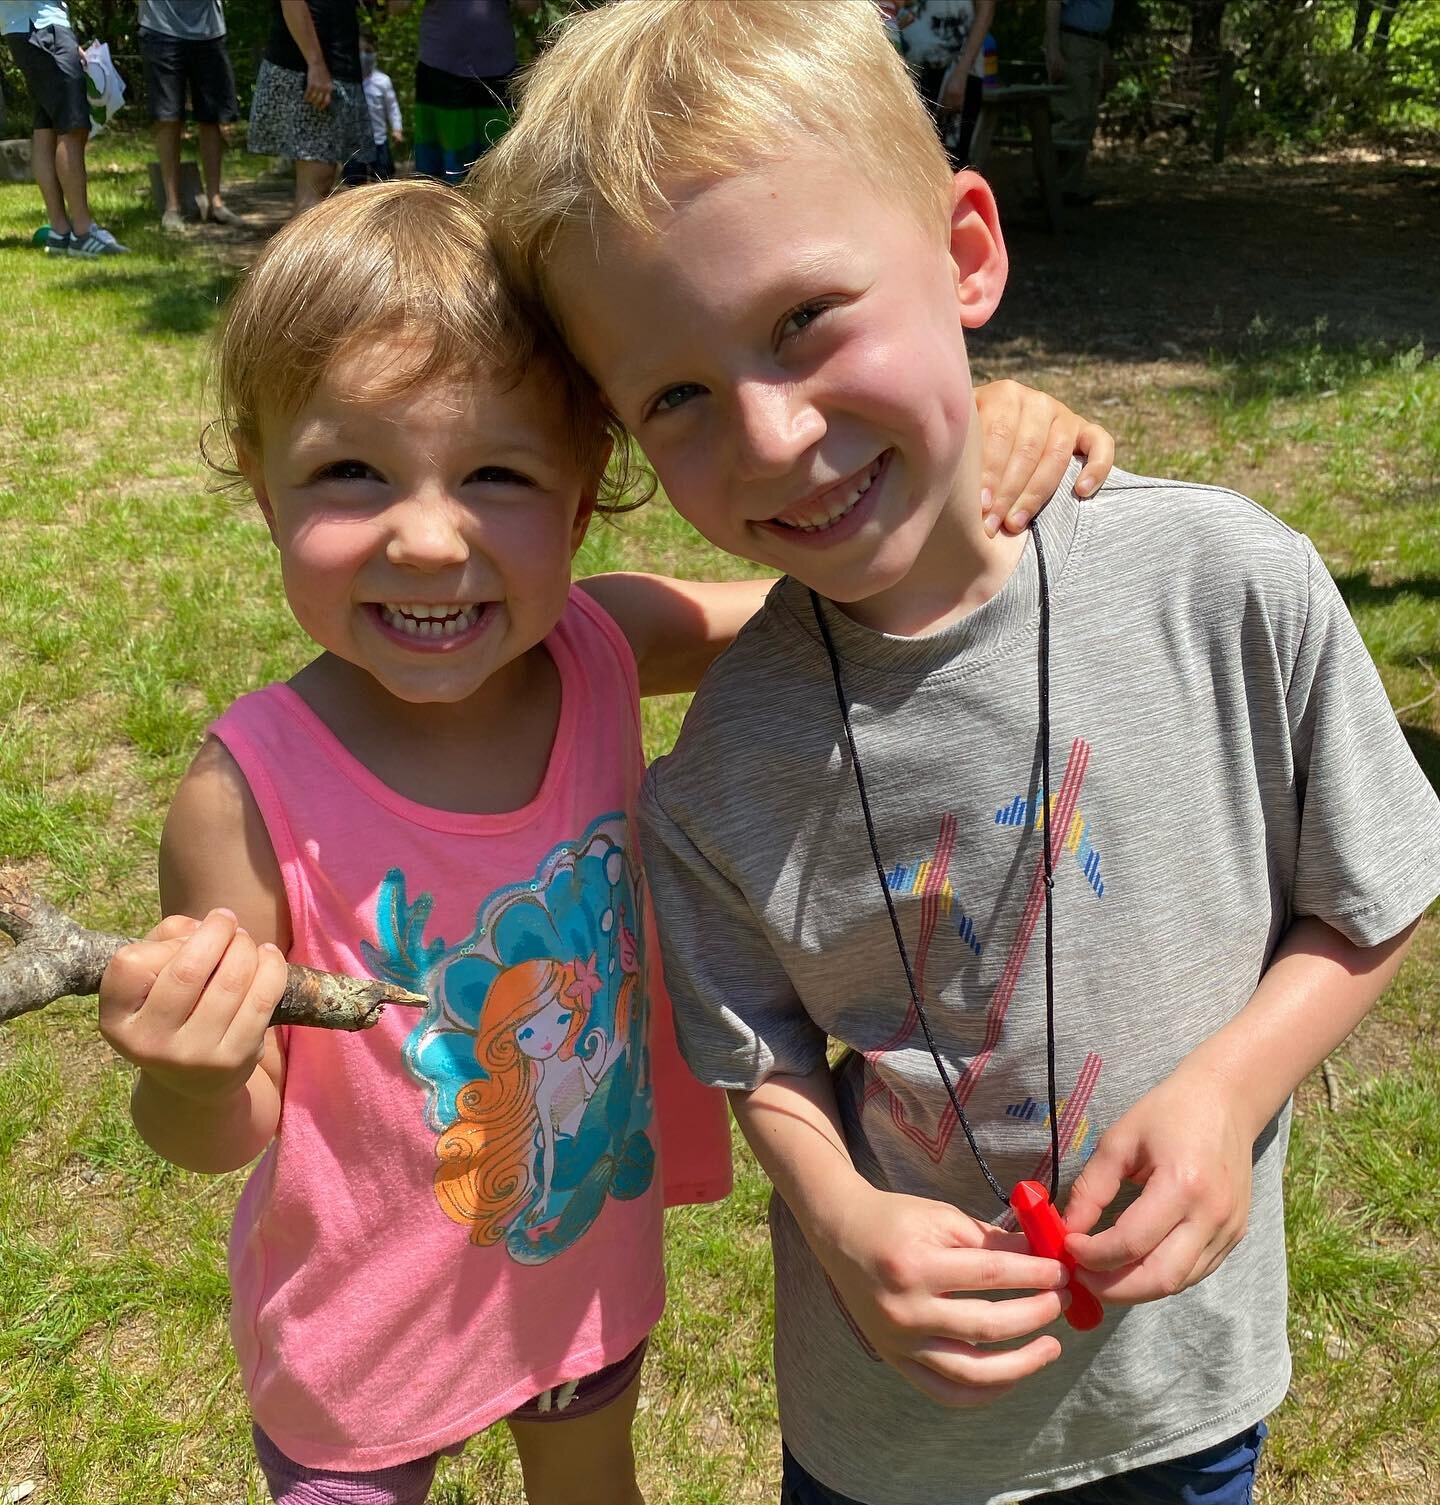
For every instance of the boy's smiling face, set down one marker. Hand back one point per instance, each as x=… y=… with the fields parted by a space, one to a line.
x=787 y=347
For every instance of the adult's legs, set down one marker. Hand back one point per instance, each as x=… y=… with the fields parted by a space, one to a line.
x=1076 y=112
x=167 y=148
x=587 y=1461
x=42 y=163
x=212 y=149
x=313 y=182
x=70 y=169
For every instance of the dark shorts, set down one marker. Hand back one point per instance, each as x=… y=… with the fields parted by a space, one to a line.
x=1219 y=1475
x=49 y=57
x=174 y=65
x=409 y=1483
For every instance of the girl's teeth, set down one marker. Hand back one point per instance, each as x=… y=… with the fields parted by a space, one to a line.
x=419 y=621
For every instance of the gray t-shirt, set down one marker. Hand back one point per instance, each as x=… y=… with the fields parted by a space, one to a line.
x=190 y=20
x=1224 y=759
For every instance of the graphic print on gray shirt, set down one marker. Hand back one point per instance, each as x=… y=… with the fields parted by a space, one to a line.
x=1224 y=759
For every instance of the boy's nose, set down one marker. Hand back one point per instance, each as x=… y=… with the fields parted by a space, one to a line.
x=776 y=424
x=427 y=533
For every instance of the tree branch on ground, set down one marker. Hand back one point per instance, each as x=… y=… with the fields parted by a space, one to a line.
x=56 y=957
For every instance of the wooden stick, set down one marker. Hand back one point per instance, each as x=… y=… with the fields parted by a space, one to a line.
x=55 y=957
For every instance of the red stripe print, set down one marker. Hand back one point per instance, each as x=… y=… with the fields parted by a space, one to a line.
x=1055 y=827
x=1075 y=1106
x=1057 y=823
x=929 y=912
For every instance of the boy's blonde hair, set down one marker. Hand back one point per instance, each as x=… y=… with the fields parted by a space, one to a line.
x=397 y=260
x=642 y=94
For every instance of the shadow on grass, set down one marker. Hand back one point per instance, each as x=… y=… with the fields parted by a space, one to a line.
x=179 y=297
x=1359 y=590
x=1182 y=259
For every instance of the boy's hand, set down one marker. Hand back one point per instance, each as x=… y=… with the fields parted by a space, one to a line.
x=190 y=1005
x=1184 y=1143
x=901 y=1264
x=1029 y=441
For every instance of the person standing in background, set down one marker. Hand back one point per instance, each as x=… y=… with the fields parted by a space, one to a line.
x=1076 y=51
x=309 y=100
x=462 y=81
x=385 y=122
x=42 y=42
x=943 y=42
x=182 y=47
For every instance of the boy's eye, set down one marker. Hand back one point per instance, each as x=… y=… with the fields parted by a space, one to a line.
x=803 y=318
x=347 y=470
x=497 y=475
x=675 y=397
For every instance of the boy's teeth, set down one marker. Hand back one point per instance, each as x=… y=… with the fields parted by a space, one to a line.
x=417 y=620
x=837 y=508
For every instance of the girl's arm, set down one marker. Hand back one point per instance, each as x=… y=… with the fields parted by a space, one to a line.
x=191 y=1004
x=678 y=628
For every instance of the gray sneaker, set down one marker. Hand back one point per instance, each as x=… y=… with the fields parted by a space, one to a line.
x=97 y=241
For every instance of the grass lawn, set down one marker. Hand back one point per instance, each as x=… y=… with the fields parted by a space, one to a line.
x=136 y=606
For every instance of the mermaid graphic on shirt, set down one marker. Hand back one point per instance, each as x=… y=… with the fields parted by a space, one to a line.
x=533 y=1051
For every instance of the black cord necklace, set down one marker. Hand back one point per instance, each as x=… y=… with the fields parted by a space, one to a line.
x=1042 y=1226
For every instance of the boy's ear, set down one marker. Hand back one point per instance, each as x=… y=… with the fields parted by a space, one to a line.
x=977 y=248
x=248 y=460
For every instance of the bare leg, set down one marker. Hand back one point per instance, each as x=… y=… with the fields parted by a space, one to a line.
x=70 y=169
x=212 y=146
x=313 y=181
x=167 y=148
x=42 y=162
x=589 y=1461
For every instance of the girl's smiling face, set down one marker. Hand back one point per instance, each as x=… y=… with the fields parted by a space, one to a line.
x=426 y=533
x=543 y=1034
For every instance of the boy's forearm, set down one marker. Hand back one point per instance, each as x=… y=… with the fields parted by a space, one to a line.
x=792 y=1123
x=1317 y=988
x=213 y=1137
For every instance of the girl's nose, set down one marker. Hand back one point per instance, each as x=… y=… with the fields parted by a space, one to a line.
x=776 y=424
x=427 y=533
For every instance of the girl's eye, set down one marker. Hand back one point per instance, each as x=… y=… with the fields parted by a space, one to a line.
x=676 y=397
x=347 y=470
x=803 y=318
x=497 y=475
x=526 y=1034
x=563 y=1019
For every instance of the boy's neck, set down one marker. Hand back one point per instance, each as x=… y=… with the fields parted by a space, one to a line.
x=957 y=571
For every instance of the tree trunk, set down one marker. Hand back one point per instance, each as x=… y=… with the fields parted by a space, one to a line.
x=1206 y=18
x=1364 y=9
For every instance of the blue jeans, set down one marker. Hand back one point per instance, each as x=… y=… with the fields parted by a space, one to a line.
x=1220 y=1475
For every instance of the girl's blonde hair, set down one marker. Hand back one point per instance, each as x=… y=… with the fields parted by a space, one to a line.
x=640 y=95
x=409 y=260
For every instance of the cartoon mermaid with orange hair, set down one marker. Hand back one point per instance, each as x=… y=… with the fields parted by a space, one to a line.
x=542 y=1068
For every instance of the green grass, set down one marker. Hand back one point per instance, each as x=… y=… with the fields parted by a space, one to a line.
x=137 y=605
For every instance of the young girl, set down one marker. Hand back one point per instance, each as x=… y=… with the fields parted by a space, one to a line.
x=457 y=1216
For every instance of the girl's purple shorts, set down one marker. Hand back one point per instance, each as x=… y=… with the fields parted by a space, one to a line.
x=409 y=1483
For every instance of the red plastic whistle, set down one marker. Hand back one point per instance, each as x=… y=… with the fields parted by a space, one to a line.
x=1046 y=1231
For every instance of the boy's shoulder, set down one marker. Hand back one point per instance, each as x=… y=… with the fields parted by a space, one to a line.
x=1194 y=521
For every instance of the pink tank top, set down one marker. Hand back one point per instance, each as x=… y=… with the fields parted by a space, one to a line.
x=462 y=1206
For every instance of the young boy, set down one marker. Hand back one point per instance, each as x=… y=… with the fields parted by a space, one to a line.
x=740 y=217
x=378 y=165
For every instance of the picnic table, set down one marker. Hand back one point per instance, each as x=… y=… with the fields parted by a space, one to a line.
x=1031 y=104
